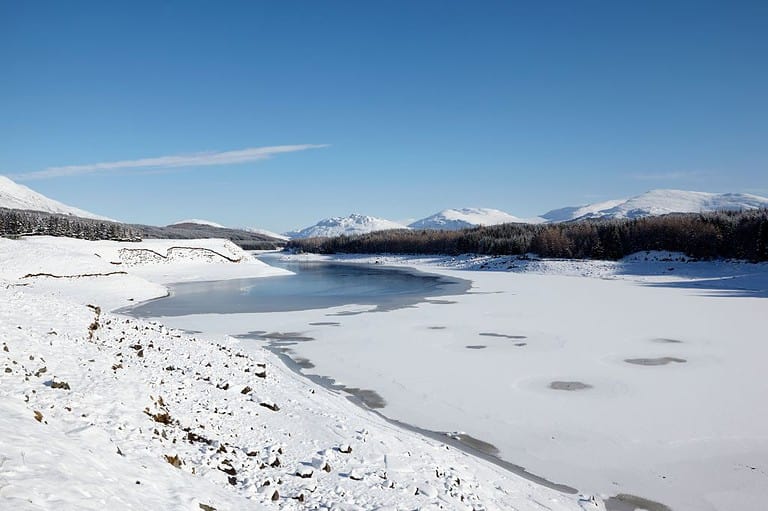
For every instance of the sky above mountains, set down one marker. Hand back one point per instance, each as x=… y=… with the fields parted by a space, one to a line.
x=274 y=115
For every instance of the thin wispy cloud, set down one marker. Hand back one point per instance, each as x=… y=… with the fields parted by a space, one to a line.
x=174 y=161
x=667 y=176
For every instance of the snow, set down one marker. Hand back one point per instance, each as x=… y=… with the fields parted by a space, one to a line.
x=454 y=219
x=348 y=225
x=267 y=233
x=16 y=196
x=573 y=212
x=152 y=417
x=198 y=222
x=660 y=202
x=643 y=376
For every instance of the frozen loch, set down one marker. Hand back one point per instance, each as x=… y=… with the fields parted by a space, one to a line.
x=635 y=381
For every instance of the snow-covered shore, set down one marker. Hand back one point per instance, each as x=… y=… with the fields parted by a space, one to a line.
x=99 y=411
x=613 y=377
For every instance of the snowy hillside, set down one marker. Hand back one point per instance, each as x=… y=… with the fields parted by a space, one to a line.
x=574 y=212
x=198 y=222
x=266 y=232
x=338 y=225
x=659 y=202
x=454 y=219
x=16 y=196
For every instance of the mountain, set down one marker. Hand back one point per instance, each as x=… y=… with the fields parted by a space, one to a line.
x=197 y=221
x=266 y=232
x=454 y=219
x=352 y=224
x=573 y=212
x=16 y=196
x=659 y=202
x=208 y=223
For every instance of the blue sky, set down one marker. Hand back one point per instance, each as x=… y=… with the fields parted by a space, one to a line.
x=414 y=106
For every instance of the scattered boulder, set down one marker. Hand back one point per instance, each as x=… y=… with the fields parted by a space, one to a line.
x=173 y=460
x=161 y=417
x=304 y=472
x=270 y=406
x=60 y=385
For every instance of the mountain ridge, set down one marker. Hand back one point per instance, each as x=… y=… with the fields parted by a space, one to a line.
x=659 y=202
x=461 y=218
x=16 y=196
x=347 y=225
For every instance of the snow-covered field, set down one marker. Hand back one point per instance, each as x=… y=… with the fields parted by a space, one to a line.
x=642 y=377
x=98 y=411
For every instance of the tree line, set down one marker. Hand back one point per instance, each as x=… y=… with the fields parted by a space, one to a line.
x=18 y=222
x=736 y=235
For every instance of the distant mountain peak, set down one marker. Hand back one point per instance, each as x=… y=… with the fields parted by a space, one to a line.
x=659 y=202
x=461 y=218
x=198 y=222
x=16 y=196
x=347 y=225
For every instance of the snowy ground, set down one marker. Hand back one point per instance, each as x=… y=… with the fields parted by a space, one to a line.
x=99 y=411
x=642 y=377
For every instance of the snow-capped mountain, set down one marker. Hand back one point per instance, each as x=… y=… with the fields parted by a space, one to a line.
x=265 y=232
x=198 y=222
x=352 y=224
x=454 y=219
x=573 y=212
x=660 y=202
x=16 y=196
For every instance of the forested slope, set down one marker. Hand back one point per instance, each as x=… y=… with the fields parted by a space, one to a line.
x=739 y=235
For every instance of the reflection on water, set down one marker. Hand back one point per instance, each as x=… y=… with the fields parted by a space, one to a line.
x=314 y=285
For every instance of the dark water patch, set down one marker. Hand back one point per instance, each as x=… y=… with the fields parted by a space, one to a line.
x=325 y=323
x=436 y=327
x=475 y=443
x=372 y=401
x=521 y=344
x=346 y=313
x=314 y=285
x=476 y=347
x=659 y=361
x=370 y=398
x=440 y=302
x=286 y=336
x=569 y=385
x=367 y=398
x=304 y=363
x=667 y=341
x=627 y=502
x=263 y=335
x=504 y=336
x=253 y=334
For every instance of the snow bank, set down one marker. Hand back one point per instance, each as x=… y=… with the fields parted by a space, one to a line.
x=99 y=411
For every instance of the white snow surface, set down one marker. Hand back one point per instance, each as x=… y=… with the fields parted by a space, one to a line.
x=455 y=219
x=345 y=225
x=671 y=353
x=198 y=221
x=266 y=232
x=98 y=411
x=660 y=202
x=16 y=196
